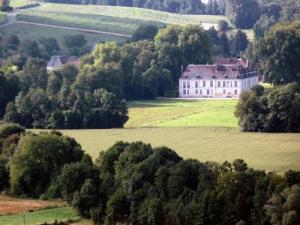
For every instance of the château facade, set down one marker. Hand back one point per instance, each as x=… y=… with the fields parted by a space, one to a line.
x=226 y=78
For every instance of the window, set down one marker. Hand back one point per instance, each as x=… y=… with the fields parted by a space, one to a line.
x=224 y=84
x=204 y=83
x=207 y=92
x=235 y=83
x=224 y=92
x=219 y=83
x=188 y=91
x=235 y=92
x=188 y=84
x=200 y=91
x=184 y=84
x=211 y=83
x=184 y=92
x=196 y=84
x=196 y=91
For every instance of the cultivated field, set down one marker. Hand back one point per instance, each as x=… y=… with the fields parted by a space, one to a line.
x=123 y=20
x=182 y=113
x=32 y=32
x=16 y=206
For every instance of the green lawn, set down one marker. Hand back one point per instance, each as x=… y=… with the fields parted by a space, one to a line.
x=124 y=20
x=41 y=216
x=32 y=32
x=182 y=113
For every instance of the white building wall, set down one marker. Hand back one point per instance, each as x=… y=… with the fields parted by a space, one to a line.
x=197 y=88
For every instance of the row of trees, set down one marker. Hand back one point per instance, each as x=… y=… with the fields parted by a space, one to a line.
x=57 y=101
x=133 y=183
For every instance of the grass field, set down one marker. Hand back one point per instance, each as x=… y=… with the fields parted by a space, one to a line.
x=272 y=152
x=32 y=32
x=182 y=113
x=40 y=217
x=204 y=129
x=19 y=3
x=124 y=20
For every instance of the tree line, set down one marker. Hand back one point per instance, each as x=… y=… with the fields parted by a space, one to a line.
x=134 y=183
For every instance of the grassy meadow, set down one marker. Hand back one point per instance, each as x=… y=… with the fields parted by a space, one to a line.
x=271 y=152
x=204 y=129
x=20 y=3
x=41 y=216
x=32 y=32
x=123 y=20
x=182 y=113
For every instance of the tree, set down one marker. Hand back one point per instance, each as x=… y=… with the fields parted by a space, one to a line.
x=239 y=42
x=11 y=42
x=283 y=208
x=145 y=32
x=242 y=13
x=34 y=74
x=75 y=44
x=279 y=54
x=50 y=45
x=223 y=25
x=9 y=88
x=39 y=160
x=30 y=49
x=263 y=25
x=274 y=111
x=177 y=46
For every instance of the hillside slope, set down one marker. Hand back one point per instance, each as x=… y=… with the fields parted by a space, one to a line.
x=110 y=18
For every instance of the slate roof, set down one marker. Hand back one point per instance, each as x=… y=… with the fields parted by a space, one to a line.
x=57 y=61
x=221 y=69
